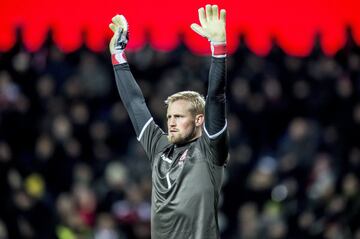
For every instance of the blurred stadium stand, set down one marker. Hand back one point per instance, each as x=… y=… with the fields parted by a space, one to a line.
x=70 y=165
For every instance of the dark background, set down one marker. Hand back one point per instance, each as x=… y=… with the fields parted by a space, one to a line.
x=71 y=167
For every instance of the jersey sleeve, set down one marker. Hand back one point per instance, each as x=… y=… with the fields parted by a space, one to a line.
x=132 y=97
x=216 y=150
x=215 y=127
x=215 y=107
x=153 y=139
x=148 y=133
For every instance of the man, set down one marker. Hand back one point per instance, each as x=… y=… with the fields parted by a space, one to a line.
x=187 y=163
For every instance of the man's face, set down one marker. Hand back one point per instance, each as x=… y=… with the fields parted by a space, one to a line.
x=183 y=126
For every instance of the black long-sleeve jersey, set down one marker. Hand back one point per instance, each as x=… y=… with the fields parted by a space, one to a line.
x=186 y=179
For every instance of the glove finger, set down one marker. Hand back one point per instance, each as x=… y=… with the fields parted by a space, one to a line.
x=223 y=15
x=215 y=12
x=198 y=29
x=113 y=27
x=124 y=23
x=202 y=17
x=208 y=12
x=120 y=21
x=116 y=20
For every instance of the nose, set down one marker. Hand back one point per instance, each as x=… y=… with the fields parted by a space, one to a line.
x=171 y=121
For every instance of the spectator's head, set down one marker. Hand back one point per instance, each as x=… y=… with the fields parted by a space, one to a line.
x=3 y=230
x=350 y=185
x=45 y=87
x=62 y=128
x=106 y=227
x=248 y=217
x=299 y=129
x=5 y=152
x=116 y=175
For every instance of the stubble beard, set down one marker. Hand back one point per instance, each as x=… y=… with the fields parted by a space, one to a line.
x=178 y=139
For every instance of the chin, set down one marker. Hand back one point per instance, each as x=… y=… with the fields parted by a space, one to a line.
x=175 y=140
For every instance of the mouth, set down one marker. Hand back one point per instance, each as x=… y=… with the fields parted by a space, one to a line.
x=173 y=130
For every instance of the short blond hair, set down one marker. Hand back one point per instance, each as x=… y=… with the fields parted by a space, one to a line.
x=197 y=100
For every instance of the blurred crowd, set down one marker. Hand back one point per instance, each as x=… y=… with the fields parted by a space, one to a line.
x=71 y=167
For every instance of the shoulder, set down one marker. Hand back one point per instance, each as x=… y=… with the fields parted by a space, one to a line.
x=215 y=149
x=153 y=138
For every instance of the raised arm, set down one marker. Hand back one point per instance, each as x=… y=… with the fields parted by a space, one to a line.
x=213 y=28
x=129 y=90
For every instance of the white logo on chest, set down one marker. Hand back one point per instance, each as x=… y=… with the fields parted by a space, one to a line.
x=166 y=159
x=182 y=158
x=180 y=163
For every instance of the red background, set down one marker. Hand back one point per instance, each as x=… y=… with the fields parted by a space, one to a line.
x=292 y=23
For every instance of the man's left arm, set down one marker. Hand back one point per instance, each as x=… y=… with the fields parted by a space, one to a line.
x=213 y=28
x=215 y=107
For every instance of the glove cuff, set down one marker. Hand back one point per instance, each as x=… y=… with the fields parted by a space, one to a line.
x=118 y=58
x=218 y=49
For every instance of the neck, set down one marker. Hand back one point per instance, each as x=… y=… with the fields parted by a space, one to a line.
x=197 y=134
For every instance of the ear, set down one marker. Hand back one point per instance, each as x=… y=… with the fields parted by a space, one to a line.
x=199 y=120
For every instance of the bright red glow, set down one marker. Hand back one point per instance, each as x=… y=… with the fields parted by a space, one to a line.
x=293 y=24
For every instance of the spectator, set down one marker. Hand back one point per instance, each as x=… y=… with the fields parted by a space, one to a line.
x=294 y=126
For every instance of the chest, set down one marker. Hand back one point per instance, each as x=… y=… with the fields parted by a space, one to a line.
x=174 y=167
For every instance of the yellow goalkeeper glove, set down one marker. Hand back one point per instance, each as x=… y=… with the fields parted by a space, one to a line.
x=118 y=42
x=213 y=28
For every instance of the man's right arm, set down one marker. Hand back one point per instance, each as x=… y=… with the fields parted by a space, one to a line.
x=148 y=133
x=132 y=98
x=129 y=90
x=151 y=137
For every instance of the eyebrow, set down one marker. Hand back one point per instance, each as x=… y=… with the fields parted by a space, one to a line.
x=177 y=114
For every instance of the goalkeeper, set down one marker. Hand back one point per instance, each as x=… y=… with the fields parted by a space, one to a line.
x=188 y=161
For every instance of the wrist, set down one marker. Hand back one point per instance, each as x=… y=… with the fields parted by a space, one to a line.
x=118 y=57
x=218 y=49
